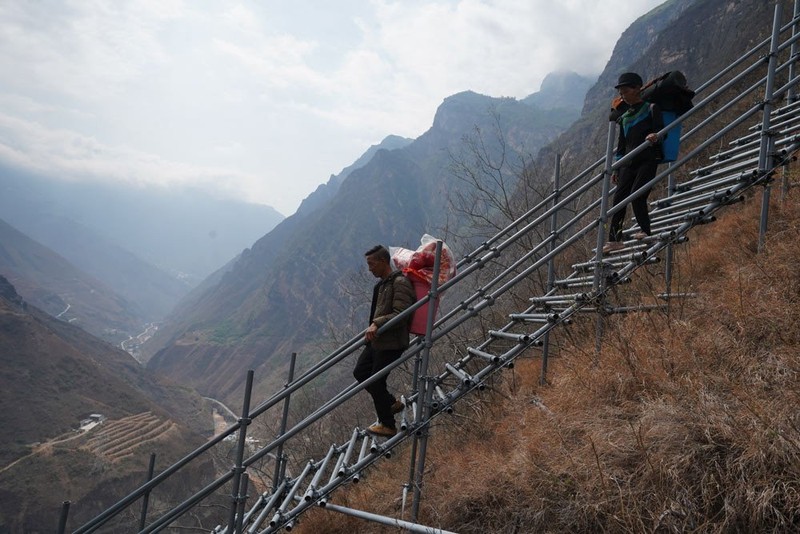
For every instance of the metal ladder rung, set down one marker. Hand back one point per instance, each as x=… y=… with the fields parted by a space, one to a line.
x=684 y=216
x=670 y=296
x=535 y=317
x=581 y=281
x=688 y=200
x=743 y=151
x=695 y=184
x=757 y=135
x=731 y=153
x=519 y=338
x=722 y=184
x=722 y=170
x=672 y=226
x=559 y=299
x=638 y=308
x=485 y=355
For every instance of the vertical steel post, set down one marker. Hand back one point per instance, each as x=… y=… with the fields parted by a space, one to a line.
x=767 y=142
x=551 y=265
x=244 y=422
x=670 y=249
x=424 y=405
x=791 y=97
x=241 y=504
x=146 y=497
x=280 y=461
x=412 y=469
x=415 y=393
x=598 y=283
x=62 y=521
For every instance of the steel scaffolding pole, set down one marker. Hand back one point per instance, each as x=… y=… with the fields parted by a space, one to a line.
x=791 y=97
x=62 y=520
x=238 y=468
x=397 y=523
x=599 y=275
x=767 y=141
x=280 y=460
x=146 y=497
x=670 y=246
x=424 y=407
x=551 y=266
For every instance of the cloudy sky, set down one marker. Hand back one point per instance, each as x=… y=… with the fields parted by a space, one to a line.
x=265 y=99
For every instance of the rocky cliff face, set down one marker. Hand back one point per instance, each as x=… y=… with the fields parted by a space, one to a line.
x=8 y=292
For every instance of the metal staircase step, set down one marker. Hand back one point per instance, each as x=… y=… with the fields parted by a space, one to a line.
x=555 y=300
x=724 y=168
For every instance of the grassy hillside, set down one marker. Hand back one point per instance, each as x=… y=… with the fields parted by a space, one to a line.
x=687 y=421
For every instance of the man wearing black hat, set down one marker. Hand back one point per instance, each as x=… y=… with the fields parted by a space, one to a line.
x=639 y=124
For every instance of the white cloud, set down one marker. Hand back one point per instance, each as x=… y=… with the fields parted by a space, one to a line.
x=266 y=99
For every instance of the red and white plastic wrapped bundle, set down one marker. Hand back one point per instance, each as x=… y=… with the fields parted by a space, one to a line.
x=417 y=265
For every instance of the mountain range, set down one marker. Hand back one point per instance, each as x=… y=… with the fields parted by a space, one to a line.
x=150 y=244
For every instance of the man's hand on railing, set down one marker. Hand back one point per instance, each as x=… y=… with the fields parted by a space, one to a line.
x=371 y=332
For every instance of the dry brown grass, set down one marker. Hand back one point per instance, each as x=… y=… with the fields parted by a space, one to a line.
x=687 y=422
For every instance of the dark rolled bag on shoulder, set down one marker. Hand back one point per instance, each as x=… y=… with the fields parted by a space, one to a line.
x=671 y=93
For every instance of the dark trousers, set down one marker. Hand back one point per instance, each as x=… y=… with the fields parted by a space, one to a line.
x=370 y=362
x=630 y=179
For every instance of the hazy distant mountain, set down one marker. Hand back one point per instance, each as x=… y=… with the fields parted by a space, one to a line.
x=52 y=375
x=290 y=288
x=50 y=282
x=183 y=232
x=327 y=191
x=561 y=90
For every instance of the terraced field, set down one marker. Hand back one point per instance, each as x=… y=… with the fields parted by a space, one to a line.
x=118 y=439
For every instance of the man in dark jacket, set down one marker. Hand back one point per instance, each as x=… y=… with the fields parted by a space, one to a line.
x=639 y=124
x=391 y=296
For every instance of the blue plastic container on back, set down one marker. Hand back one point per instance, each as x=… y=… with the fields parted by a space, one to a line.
x=671 y=143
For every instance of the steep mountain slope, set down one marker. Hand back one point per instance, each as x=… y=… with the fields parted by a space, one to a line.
x=293 y=286
x=51 y=283
x=52 y=375
x=268 y=247
x=686 y=422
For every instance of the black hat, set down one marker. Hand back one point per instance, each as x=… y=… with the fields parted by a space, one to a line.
x=630 y=79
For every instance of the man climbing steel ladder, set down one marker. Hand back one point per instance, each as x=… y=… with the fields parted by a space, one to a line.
x=391 y=296
x=640 y=123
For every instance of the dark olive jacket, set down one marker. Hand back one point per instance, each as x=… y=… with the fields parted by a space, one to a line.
x=390 y=297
